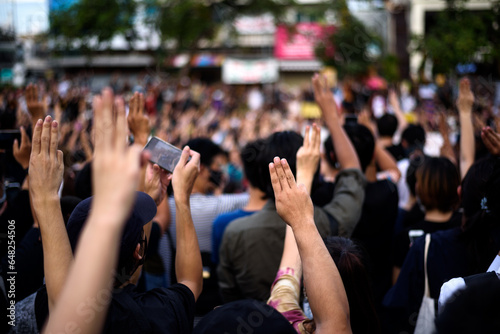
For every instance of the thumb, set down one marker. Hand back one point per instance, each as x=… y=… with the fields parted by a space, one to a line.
x=15 y=147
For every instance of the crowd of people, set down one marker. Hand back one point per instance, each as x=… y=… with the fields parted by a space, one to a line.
x=376 y=212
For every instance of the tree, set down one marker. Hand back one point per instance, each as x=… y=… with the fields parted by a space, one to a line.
x=93 y=22
x=457 y=35
x=352 y=48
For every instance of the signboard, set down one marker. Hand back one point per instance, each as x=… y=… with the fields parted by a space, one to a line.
x=300 y=45
x=242 y=71
x=255 y=25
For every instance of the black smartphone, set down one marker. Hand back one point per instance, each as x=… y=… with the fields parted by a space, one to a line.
x=7 y=139
x=164 y=154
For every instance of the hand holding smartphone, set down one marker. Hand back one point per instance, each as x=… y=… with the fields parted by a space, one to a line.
x=163 y=154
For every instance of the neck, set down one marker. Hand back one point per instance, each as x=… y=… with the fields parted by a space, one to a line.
x=255 y=202
x=438 y=216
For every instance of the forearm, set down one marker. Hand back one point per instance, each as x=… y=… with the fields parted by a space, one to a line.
x=90 y=280
x=55 y=242
x=386 y=162
x=188 y=265
x=467 y=149
x=344 y=151
x=322 y=281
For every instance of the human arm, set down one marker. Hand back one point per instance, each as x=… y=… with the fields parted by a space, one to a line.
x=491 y=140
x=188 y=266
x=45 y=177
x=386 y=163
x=115 y=175
x=467 y=144
x=322 y=280
x=138 y=122
x=33 y=103
x=396 y=106
x=344 y=151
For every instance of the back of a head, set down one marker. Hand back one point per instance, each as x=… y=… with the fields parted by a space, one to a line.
x=363 y=142
x=414 y=136
x=387 y=125
x=472 y=310
x=437 y=184
x=350 y=263
x=282 y=144
x=249 y=157
x=208 y=149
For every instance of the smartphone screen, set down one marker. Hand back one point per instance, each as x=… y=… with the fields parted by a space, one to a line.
x=7 y=138
x=164 y=154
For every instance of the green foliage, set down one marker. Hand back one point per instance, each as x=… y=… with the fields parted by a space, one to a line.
x=87 y=20
x=188 y=21
x=353 y=44
x=456 y=36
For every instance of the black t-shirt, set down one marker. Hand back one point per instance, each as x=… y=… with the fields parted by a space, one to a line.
x=374 y=232
x=403 y=242
x=161 y=310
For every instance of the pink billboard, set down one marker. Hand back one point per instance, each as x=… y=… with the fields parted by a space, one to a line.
x=300 y=45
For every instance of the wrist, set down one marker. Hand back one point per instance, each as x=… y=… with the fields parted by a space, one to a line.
x=181 y=200
x=305 y=226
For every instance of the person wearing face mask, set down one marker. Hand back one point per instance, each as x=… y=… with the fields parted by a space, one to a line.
x=206 y=204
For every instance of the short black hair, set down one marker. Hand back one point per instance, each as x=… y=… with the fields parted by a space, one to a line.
x=249 y=157
x=387 y=125
x=363 y=142
x=414 y=135
x=208 y=149
x=282 y=144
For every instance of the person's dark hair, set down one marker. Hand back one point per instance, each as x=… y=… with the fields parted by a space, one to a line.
x=282 y=144
x=414 y=136
x=437 y=184
x=249 y=157
x=481 y=229
x=387 y=125
x=208 y=150
x=411 y=174
x=363 y=142
x=474 y=309
x=349 y=260
x=329 y=151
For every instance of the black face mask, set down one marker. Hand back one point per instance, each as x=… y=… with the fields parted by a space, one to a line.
x=216 y=177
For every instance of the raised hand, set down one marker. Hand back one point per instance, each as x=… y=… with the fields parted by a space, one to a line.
x=22 y=152
x=34 y=105
x=308 y=156
x=46 y=166
x=465 y=99
x=293 y=203
x=138 y=122
x=365 y=119
x=185 y=174
x=156 y=182
x=324 y=97
x=491 y=140
x=116 y=166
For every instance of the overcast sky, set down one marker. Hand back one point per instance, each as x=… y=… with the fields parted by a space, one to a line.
x=28 y=16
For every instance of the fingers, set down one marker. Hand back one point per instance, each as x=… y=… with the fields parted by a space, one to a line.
x=464 y=85
x=306 y=137
x=316 y=83
x=275 y=182
x=133 y=105
x=37 y=137
x=121 y=125
x=288 y=173
x=107 y=117
x=98 y=125
x=316 y=137
x=60 y=157
x=278 y=164
x=195 y=158
x=54 y=132
x=45 y=138
x=156 y=174
x=141 y=104
x=24 y=136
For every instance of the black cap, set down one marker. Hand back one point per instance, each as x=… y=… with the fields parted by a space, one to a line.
x=142 y=213
x=244 y=316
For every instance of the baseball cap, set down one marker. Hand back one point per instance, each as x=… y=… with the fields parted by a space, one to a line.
x=142 y=213
x=244 y=316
